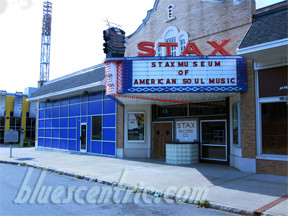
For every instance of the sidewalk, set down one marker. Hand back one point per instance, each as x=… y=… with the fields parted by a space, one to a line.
x=229 y=189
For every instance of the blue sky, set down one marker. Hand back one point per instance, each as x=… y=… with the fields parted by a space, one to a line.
x=77 y=39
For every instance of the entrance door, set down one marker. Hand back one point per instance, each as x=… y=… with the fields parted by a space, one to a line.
x=162 y=133
x=214 y=140
x=83 y=138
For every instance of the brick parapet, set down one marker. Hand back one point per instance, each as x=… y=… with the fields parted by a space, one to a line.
x=204 y=21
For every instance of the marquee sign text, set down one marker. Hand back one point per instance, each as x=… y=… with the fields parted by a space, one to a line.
x=184 y=73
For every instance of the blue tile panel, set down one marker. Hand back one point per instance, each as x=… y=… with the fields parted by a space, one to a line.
x=60 y=122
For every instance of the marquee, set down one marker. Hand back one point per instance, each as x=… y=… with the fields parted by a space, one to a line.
x=176 y=74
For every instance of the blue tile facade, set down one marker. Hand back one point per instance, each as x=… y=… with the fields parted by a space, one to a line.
x=60 y=120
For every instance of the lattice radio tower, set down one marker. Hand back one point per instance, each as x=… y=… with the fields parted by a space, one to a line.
x=45 y=42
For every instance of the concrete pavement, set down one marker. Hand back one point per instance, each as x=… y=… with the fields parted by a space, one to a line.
x=227 y=188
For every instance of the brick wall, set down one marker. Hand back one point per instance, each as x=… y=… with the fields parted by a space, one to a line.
x=207 y=21
x=272 y=167
x=202 y=20
x=271 y=7
x=120 y=126
x=248 y=116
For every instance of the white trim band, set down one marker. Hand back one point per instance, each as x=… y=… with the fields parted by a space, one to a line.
x=99 y=83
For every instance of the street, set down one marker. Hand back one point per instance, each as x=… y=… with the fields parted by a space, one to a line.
x=29 y=191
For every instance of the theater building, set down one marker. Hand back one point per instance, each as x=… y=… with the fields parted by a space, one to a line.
x=196 y=95
x=181 y=93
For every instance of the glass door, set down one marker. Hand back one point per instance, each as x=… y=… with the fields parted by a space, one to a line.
x=83 y=137
x=213 y=140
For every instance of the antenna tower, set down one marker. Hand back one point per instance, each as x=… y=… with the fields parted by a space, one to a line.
x=45 y=42
x=111 y=24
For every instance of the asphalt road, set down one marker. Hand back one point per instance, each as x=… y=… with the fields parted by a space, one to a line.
x=29 y=191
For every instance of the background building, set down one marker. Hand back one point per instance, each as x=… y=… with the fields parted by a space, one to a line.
x=17 y=113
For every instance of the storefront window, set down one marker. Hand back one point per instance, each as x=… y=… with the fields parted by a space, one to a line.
x=274 y=128
x=2 y=129
x=213 y=140
x=30 y=127
x=136 y=126
x=208 y=108
x=15 y=123
x=172 y=110
x=96 y=127
x=235 y=123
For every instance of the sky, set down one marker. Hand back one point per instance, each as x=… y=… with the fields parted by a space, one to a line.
x=76 y=35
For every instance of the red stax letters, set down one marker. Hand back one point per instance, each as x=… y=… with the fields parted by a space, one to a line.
x=143 y=46
x=191 y=48
x=219 y=48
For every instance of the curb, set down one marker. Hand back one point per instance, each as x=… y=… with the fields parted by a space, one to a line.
x=212 y=205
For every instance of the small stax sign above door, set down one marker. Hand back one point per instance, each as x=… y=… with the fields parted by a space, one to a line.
x=191 y=48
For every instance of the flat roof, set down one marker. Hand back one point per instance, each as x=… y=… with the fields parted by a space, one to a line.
x=89 y=77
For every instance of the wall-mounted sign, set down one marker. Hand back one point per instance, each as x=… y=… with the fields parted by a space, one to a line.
x=113 y=77
x=18 y=104
x=136 y=126
x=2 y=103
x=186 y=131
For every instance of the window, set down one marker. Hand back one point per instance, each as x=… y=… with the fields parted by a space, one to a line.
x=172 y=110
x=96 y=127
x=136 y=126
x=30 y=127
x=170 y=12
x=172 y=35
x=235 y=123
x=272 y=112
x=159 y=51
x=2 y=129
x=274 y=128
x=15 y=123
x=208 y=108
x=213 y=140
x=182 y=45
x=173 y=49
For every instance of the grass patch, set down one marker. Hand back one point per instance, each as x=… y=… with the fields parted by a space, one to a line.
x=60 y=173
x=18 y=146
x=23 y=164
x=136 y=190
x=79 y=177
x=43 y=169
x=203 y=204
